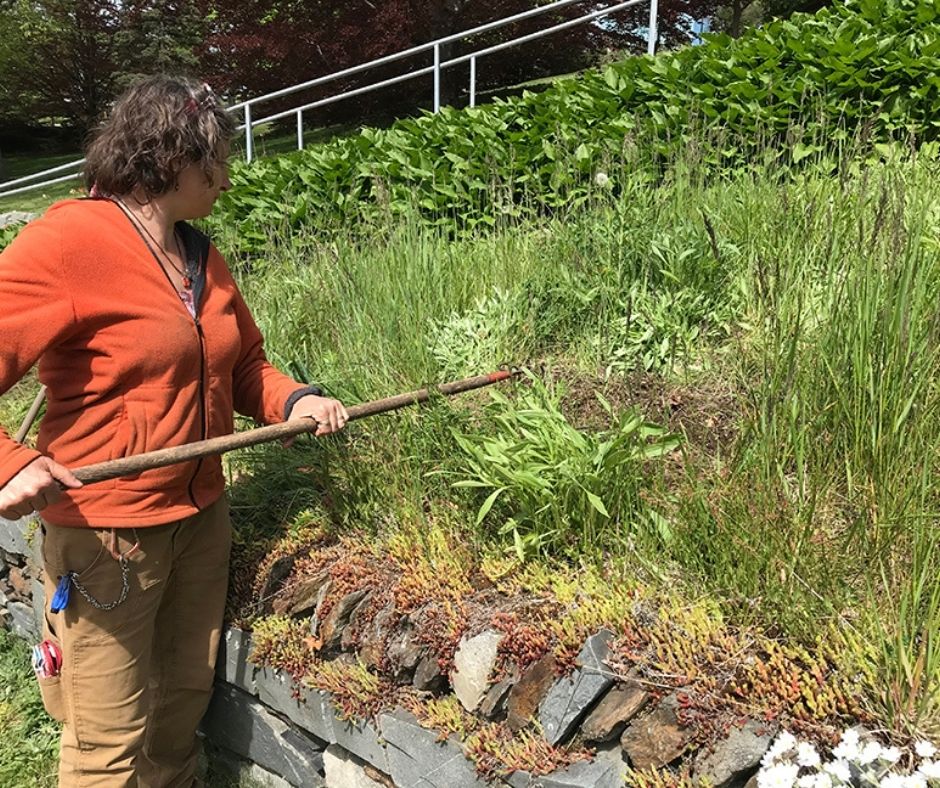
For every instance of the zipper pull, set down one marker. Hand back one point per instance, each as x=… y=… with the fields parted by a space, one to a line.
x=60 y=600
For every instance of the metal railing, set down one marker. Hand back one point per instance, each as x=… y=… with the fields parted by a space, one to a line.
x=437 y=67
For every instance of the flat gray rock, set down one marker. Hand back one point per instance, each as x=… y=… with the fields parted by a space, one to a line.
x=599 y=773
x=13 y=536
x=473 y=662
x=22 y=621
x=242 y=771
x=240 y=723
x=734 y=758
x=345 y=770
x=16 y=217
x=307 y=708
x=417 y=760
x=361 y=738
x=571 y=698
x=232 y=665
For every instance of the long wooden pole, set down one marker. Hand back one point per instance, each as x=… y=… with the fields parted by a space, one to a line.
x=31 y=414
x=102 y=471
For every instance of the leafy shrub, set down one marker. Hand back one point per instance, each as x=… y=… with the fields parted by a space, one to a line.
x=481 y=338
x=864 y=68
x=552 y=488
x=657 y=329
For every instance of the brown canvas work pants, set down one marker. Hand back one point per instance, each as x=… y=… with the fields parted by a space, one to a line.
x=136 y=678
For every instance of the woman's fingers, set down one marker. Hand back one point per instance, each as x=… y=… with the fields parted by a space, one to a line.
x=34 y=488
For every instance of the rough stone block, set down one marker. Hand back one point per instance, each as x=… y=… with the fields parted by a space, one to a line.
x=345 y=770
x=307 y=708
x=417 y=760
x=243 y=725
x=571 y=698
x=733 y=758
x=39 y=602
x=232 y=665
x=599 y=773
x=13 y=536
x=22 y=621
x=657 y=738
x=615 y=710
x=527 y=694
x=361 y=738
x=243 y=771
x=474 y=662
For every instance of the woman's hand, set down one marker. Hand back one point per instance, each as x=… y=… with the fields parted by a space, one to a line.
x=329 y=414
x=34 y=488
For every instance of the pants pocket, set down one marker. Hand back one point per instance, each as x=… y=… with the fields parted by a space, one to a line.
x=53 y=699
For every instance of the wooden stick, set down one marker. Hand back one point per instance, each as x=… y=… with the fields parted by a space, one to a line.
x=113 y=469
x=23 y=431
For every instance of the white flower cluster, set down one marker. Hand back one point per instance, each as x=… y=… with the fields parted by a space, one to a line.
x=794 y=764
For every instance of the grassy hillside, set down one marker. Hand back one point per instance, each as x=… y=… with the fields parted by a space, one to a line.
x=720 y=268
x=786 y=329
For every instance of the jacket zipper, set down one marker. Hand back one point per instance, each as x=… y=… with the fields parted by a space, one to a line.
x=203 y=425
x=203 y=422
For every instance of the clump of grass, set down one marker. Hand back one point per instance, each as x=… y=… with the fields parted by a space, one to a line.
x=551 y=488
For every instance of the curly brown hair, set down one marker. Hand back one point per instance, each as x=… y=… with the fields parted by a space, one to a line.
x=157 y=127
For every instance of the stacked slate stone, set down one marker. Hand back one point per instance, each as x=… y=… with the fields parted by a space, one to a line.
x=285 y=735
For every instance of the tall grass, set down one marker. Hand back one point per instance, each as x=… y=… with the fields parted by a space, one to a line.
x=811 y=296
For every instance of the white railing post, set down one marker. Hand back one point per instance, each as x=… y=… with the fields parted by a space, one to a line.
x=300 y=129
x=473 y=81
x=437 y=78
x=249 y=142
x=654 y=28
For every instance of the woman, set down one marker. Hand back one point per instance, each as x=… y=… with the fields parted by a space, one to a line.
x=144 y=342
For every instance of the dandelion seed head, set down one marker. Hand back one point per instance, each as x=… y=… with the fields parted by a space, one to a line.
x=601 y=179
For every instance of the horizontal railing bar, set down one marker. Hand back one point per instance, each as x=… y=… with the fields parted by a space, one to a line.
x=349 y=93
x=540 y=33
x=445 y=64
x=4 y=193
x=408 y=52
x=35 y=175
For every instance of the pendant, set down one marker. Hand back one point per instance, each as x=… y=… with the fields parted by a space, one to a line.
x=187 y=282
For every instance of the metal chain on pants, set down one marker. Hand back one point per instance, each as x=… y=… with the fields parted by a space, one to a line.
x=104 y=605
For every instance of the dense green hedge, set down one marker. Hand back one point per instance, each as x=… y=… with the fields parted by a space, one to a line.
x=867 y=69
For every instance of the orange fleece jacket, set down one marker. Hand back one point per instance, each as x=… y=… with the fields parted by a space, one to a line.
x=128 y=369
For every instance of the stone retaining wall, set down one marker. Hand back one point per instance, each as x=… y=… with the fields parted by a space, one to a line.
x=289 y=736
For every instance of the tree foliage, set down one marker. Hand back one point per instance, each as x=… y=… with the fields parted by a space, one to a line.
x=263 y=45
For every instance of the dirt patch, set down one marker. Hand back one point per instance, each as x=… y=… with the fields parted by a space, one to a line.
x=707 y=413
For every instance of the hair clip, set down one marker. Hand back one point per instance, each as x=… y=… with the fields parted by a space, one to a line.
x=208 y=101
